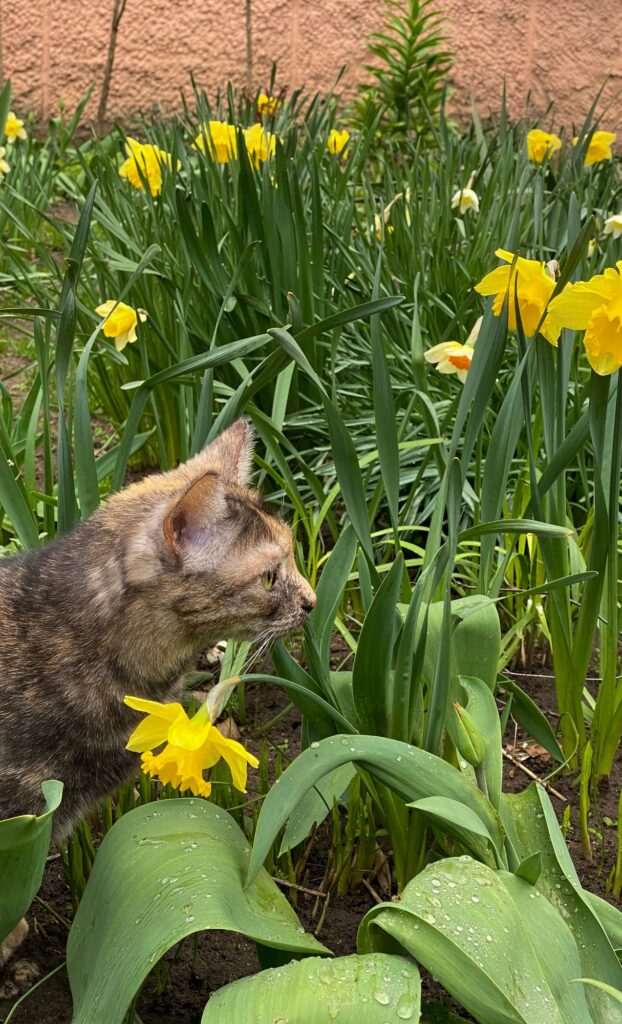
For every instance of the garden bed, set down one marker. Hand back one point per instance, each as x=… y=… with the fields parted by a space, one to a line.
x=189 y=974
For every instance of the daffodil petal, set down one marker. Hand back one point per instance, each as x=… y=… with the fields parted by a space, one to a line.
x=494 y=282
x=168 y=712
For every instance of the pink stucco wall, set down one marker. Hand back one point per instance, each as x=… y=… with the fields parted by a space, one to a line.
x=52 y=49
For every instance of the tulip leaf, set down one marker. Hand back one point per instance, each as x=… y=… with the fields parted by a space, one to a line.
x=350 y=990
x=24 y=845
x=410 y=772
x=316 y=805
x=460 y=822
x=530 y=869
x=501 y=950
x=165 y=871
x=533 y=828
x=475 y=640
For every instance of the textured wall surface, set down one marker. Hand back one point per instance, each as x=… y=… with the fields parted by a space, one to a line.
x=53 y=49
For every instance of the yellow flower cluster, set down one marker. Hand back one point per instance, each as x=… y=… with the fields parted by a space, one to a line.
x=593 y=306
x=219 y=140
x=143 y=166
x=191 y=746
x=541 y=146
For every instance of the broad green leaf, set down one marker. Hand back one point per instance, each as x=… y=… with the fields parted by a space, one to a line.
x=475 y=640
x=533 y=828
x=609 y=917
x=164 y=871
x=24 y=845
x=504 y=953
x=460 y=822
x=316 y=805
x=411 y=772
x=349 y=990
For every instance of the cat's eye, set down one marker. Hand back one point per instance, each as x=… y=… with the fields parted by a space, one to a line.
x=269 y=579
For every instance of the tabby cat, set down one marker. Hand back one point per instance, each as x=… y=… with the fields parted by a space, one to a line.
x=124 y=604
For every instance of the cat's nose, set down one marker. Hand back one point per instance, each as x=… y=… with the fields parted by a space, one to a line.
x=308 y=601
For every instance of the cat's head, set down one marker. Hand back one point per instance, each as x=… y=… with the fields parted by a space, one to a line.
x=204 y=546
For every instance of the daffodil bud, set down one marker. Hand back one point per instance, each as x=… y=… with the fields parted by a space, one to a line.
x=468 y=737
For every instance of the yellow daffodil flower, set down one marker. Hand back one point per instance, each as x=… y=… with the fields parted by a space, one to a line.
x=14 y=128
x=120 y=322
x=613 y=225
x=534 y=285
x=599 y=148
x=337 y=142
x=267 y=105
x=219 y=140
x=541 y=145
x=148 y=161
x=451 y=357
x=594 y=306
x=260 y=144
x=4 y=166
x=191 y=746
x=465 y=199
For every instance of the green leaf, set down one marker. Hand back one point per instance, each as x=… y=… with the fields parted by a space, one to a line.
x=516 y=526
x=460 y=822
x=384 y=410
x=13 y=501
x=330 y=589
x=350 y=990
x=533 y=828
x=164 y=871
x=475 y=640
x=613 y=992
x=411 y=772
x=505 y=955
x=533 y=721
x=316 y=805
x=371 y=675
x=24 y=845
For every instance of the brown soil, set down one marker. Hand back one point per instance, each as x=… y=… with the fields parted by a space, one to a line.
x=202 y=964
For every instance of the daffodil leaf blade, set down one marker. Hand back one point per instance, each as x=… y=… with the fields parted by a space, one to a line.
x=366 y=989
x=163 y=872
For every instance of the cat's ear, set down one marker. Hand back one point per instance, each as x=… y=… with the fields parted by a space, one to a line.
x=194 y=513
x=231 y=453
